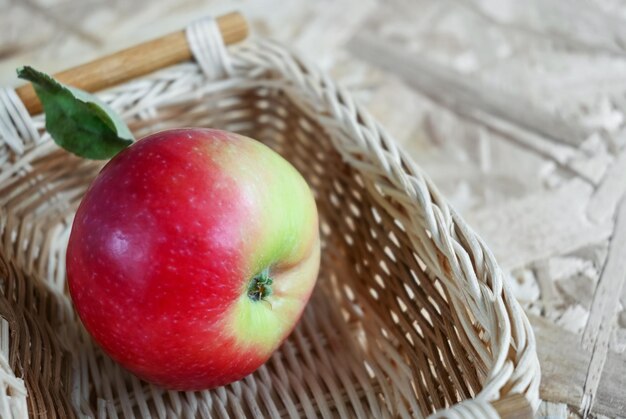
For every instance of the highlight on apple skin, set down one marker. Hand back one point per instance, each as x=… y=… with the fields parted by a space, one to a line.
x=192 y=256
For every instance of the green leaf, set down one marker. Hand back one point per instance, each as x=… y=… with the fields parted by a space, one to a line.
x=78 y=121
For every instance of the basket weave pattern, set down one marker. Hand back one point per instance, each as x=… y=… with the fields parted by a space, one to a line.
x=410 y=315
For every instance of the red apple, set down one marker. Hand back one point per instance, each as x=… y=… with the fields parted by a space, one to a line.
x=192 y=256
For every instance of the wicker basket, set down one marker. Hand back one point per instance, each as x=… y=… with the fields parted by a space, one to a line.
x=410 y=315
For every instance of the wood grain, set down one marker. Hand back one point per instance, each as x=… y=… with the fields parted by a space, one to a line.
x=134 y=62
x=514 y=406
x=600 y=324
x=463 y=94
x=564 y=368
x=549 y=410
x=539 y=226
x=605 y=199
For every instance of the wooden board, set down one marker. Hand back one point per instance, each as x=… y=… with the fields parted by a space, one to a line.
x=515 y=109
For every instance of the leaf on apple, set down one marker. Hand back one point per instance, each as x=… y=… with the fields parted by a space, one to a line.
x=77 y=121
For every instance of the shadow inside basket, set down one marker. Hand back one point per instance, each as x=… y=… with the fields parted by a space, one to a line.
x=378 y=338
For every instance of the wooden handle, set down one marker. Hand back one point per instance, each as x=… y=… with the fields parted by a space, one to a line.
x=135 y=61
x=514 y=406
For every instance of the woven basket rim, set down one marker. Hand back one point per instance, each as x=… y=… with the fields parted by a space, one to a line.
x=460 y=258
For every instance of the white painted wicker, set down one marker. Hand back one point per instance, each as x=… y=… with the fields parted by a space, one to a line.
x=411 y=314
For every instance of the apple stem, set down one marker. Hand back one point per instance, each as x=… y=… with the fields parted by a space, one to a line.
x=259 y=288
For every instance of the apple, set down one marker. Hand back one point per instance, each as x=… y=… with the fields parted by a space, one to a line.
x=192 y=256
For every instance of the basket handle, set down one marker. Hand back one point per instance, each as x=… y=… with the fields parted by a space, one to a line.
x=135 y=61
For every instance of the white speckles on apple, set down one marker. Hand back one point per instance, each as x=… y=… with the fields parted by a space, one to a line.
x=118 y=243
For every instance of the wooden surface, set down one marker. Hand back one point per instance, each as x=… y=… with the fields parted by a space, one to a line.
x=517 y=110
x=514 y=407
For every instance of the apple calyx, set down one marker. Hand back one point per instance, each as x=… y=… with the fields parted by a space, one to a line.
x=259 y=288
